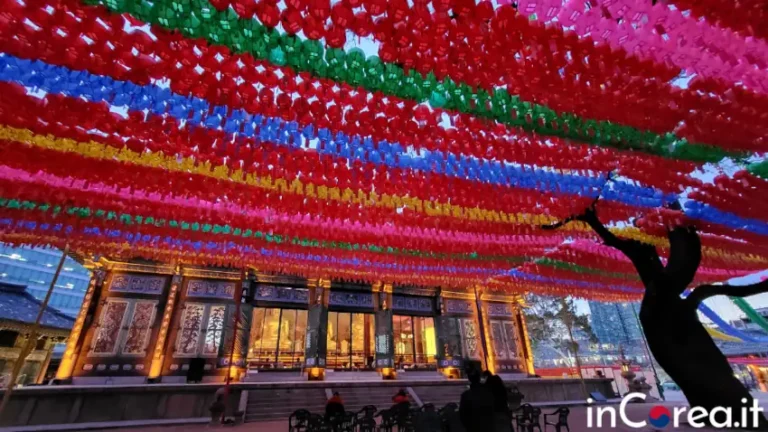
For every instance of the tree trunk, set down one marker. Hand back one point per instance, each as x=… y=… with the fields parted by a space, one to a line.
x=685 y=350
x=575 y=348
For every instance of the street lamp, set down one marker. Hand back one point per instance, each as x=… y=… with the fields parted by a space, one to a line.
x=626 y=371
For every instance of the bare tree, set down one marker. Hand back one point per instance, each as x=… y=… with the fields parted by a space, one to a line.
x=554 y=322
x=676 y=337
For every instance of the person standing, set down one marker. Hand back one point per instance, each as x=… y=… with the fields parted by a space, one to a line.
x=501 y=416
x=476 y=406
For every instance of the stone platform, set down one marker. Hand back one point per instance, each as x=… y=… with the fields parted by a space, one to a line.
x=261 y=401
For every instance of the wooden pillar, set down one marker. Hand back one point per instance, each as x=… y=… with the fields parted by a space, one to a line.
x=315 y=350
x=158 y=357
x=525 y=340
x=485 y=336
x=384 y=343
x=49 y=343
x=75 y=339
x=237 y=331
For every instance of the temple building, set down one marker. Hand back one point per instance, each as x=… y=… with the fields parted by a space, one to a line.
x=148 y=322
x=18 y=311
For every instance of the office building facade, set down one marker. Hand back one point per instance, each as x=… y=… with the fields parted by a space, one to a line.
x=615 y=323
x=34 y=268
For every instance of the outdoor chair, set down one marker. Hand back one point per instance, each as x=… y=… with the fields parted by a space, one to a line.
x=449 y=416
x=387 y=420
x=368 y=411
x=449 y=407
x=404 y=416
x=341 y=422
x=427 y=419
x=527 y=418
x=346 y=422
x=514 y=397
x=561 y=417
x=318 y=424
x=298 y=421
x=365 y=419
x=366 y=424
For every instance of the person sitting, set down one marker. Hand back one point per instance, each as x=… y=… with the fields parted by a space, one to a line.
x=334 y=407
x=401 y=408
x=401 y=397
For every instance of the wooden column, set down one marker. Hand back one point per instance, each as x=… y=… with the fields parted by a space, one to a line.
x=524 y=338
x=237 y=331
x=158 y=357
x=384 y=343
x=49 y=343
x=484 y=327
x=317 y=329
x=75 y=339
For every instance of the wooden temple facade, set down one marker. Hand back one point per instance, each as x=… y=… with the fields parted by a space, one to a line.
x=148 y=322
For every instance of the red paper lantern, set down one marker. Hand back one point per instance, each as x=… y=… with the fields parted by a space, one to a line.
x=291 y=20
x=268 y=14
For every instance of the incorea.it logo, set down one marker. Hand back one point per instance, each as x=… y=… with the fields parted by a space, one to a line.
x=659 y=416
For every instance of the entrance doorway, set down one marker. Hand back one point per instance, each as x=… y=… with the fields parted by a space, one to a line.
x=351 y=339
x=277 y=338
x=415 y=342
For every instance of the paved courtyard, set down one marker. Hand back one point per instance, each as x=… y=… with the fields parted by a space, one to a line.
x=577 y=422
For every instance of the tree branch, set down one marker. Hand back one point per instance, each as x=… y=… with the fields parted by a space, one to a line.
x=557 y=225
x=579 y=217
x=704 y=292
x=643 y=255
x=609 y=238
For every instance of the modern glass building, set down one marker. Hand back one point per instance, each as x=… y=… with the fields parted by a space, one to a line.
x=35 y=267
x=615 y=323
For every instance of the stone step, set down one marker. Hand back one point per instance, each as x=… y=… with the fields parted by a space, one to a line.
x=268 y=403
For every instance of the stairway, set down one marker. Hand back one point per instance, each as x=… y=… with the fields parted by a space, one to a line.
x=279 y=403
x=439 y=395
x=357 y=397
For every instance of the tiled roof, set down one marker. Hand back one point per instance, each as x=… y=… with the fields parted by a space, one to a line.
x=16 y=304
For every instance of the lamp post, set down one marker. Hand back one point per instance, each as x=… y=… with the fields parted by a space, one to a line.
x=626 y=370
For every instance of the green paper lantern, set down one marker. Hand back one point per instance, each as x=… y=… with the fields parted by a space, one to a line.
x=111 y=4
x=437 y=100
x=334 y=56
x=259 y=49
x=355 y=58
x=207 y=13
x=277 y=56
x=373 y=65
